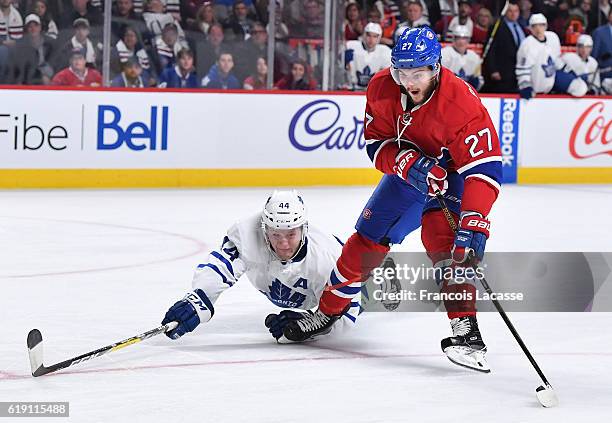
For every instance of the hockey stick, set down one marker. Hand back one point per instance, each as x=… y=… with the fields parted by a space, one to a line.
x=35 y=349
x=494 y=31
x=546 y=395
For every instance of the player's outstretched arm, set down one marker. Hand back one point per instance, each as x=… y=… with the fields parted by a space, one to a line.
x=220 y=272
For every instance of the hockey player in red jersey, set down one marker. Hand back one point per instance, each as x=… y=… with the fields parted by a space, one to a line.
x=425 y=129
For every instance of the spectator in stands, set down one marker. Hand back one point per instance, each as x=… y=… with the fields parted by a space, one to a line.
x=483 y=23
x=375 y=16
x=582 y=11
x=463 y=62
x=412 y=12
x=220 y=75
x=353 y=23
x=297 y=79
x=582 y=64
x=559 y=18
x=85 y=10
x=365 y=57
x=125 y=15
x=448 y=10
x=130 y=47
x=156 y=18
x=30 y=58
x=525 y=7
x=238 y=26
x=602 y=52
x=390 y=16
x=257 y=81
x=124 y=9
x=11 y=29
x=168 y=46
x=223 y=8
x=599 y=15
x=463 y=18
x=311 y=24
x=49 y=27
x=131 y=76
x=77 y=74
x=81 y=40
x=247 y=53
x=181 y=75
x=204 y=19
x=281 y=30
x=190 y=10
x=500 y=62
x=11 y=24
x=207 y=52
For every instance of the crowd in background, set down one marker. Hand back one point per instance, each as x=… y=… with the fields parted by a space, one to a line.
x=222 y=44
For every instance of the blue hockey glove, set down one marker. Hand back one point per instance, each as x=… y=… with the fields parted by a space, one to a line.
x=277 y=322
x=189 y=312
x=526 y=93
x=471 y=238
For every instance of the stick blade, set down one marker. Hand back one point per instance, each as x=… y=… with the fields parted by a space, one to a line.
x=35 y=351
x=547 y=396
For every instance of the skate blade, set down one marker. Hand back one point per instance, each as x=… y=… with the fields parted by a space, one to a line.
x=468 y=358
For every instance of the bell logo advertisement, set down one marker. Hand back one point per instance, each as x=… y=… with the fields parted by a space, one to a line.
x=114 y=131
x=591 y=135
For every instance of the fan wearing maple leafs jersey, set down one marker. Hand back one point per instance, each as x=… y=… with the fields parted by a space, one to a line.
x=284 y=257
x=426 y=130
x=539 y=65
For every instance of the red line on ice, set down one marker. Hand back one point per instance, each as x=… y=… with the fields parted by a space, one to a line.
x=354 y=356
x=201 y=247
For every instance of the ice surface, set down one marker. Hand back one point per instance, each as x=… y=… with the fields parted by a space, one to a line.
x=92 y=267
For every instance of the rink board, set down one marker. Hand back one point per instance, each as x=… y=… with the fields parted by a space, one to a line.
x=153 y=138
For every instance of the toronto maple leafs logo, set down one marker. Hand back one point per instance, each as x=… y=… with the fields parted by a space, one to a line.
x=363 y=77
x=549 y=67
x=283 y=296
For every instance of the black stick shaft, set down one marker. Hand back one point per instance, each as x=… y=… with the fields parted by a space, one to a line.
x=496 y=303
x=43 y=370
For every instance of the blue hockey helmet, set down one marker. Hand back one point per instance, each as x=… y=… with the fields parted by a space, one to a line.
x=416 y=47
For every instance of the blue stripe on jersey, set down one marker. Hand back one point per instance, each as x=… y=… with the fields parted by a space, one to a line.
x=350 y=290
x=216 y=269
x=491 y=169
x=373 y=148
x=351 y=318
x=224 y=260
x=334 y=279
x=338 y=239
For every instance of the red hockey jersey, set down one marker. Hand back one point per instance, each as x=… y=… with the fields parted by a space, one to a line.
x=452 y=126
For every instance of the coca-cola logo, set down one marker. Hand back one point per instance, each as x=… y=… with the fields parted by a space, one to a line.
x=319 y=124
x=591 y=135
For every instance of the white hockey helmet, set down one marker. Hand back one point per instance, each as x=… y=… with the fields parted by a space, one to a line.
x=284 y=210
x=462 y=31
x=585 y=40
x=538 y=19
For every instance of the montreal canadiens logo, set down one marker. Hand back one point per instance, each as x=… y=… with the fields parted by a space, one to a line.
x=367 y=214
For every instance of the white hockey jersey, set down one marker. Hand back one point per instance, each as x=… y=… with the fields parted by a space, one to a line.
x=466 y=66
x=297 y=284
x=537 y=62
x=363 y=64
x=585 y=69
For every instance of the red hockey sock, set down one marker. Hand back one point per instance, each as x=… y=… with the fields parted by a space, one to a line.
x=359 y=256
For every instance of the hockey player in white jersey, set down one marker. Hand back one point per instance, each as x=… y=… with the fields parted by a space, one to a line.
x=365 y=57
x=539 y=65
x=582 y=64
x=462 y=61
x=284 y=257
